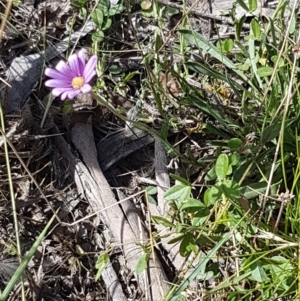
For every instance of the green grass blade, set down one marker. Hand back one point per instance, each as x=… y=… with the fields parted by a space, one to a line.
x=19 y=272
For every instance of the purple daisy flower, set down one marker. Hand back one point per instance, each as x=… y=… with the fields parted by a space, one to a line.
x=69 y=80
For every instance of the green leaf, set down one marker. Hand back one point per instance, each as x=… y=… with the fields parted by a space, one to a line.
x=78 y=3
x=82 y=13
x=235 y=143
x=67 y=108
x=152 y=200
x=212 y=195
x=106 y=24
x=142 y=263
x=130 y=76
x=178 y=193
x=227 y=45
x=200 y=217
x=231 y=189
x=252 y=5
x=97 y=17
x=258 y=272
x=187 y=246
x=265 y=71
x=176 y=239
x=211 y=174
x=293 y=25
x=104 y=5
x=274 y=59
x=234 y=159
x=243 y=5
x=270 y=132
x=98 y=36
x=117 y=9
x=180 y=179
x=151 y=190
x=192 y=204
x=114 y=69
x=101 y=264
x=229 y=171
x=222 y=166
x=255 y=28
x=159 y=220
x=239 y=27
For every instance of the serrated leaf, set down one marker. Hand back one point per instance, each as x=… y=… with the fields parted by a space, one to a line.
x=178 y=193
x=142 y=263
x=101 y=264
x=222 y=166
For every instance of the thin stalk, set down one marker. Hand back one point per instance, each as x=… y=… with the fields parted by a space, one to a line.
x=12 y=193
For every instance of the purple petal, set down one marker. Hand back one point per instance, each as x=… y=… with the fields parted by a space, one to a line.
x=81 y=54
x=90 y=68
x=64 y=95
x=58 y=91
x=72 y=94
x=86 y=88
x=62 y=67
x=58 y=83
x=76 y=64
x=56 y=74
x=91 y=75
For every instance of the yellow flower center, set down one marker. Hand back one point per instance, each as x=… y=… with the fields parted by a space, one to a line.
x=77 y=82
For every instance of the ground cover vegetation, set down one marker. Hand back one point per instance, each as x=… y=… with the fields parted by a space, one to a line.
x=209 y=99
